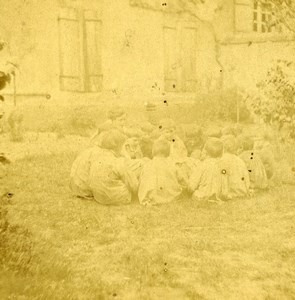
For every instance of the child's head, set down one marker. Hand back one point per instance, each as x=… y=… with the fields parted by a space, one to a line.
x=167 y=128
x=228 y=130
x=131 y=148
x=117 y=115
x=213 y=147
x=161 y=148
x=113 y=140
x=146 y=145
x=193 y=138
x=147 y=127
x=247 y=143
x=230 y=144
x=213 y=131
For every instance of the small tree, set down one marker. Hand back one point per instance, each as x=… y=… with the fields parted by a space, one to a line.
x=275 y=101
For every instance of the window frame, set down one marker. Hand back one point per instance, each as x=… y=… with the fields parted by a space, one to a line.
x=84 y=75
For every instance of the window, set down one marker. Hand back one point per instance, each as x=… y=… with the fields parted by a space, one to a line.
x=264 y=19
x=258 y=16
x=80 y=50
x=180 y=58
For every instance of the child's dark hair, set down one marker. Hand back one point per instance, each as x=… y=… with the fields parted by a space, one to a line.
x=161 y=147
x=116 y=112
x=112 y=139
x=230 y=144
x=214 y=147
x=247 y=143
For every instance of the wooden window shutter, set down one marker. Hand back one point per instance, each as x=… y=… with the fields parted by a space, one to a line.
x=243 y=15
x=92 y=50
x=189 y=52
x=69 y=49
x=171 y=59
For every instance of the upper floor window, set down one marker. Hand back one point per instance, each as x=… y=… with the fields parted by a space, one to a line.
x=264 y=18
x=259 y=16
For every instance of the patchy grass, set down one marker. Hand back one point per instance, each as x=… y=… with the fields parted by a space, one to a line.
x=185 y=250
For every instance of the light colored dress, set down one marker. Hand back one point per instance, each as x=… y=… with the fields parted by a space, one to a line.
x=159 y=182
x=205 y=180
x=235 y=177
x=256 y=170
x=178 y=149
x=79 y=176
x=112 y=179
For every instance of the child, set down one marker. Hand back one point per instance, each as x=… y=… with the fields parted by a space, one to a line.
x=131 y=148
x=213 y=131
x=205 y=181
x=257 y=173
x=266 y=153
x=79 y=176
x=159 y=180
x=235 y=177
x=116 y=120
x=194 y=141
x=168 y=132
x=112 y=179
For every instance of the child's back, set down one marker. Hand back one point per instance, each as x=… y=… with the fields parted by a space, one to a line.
x=256 y=169
x=79 y=176
x=158 y=180
x=206 y=179
x=110 y=180
x=235 y=177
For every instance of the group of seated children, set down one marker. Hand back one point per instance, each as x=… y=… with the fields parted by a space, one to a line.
x=158 y=164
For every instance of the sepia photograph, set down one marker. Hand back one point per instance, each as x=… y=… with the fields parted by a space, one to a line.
x=147 y=149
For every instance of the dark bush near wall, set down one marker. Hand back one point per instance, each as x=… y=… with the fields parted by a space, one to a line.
x=80 y=119
x=221 y=106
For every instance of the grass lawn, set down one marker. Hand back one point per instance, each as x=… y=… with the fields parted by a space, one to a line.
x=66 y=248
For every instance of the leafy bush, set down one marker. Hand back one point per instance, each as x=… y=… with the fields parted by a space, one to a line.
x=274 y=102
x=222 y=105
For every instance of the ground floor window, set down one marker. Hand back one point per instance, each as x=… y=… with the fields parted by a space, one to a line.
x=180 y=42
x=80 y=36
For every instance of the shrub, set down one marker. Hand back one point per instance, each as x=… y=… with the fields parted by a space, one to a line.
x=221 y=105
x=274 y=102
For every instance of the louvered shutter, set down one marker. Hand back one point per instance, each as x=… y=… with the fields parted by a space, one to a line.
x=189 y=50
x=93 y=43
x=69 y=48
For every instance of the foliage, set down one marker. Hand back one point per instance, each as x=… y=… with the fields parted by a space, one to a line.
x=222 y=105
x=284 y=12
x=15 y=244
x=275 y=102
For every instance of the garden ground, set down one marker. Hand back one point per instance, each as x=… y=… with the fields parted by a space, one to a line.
x=55 y=246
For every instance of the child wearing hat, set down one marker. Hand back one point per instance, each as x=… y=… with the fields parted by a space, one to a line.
x=116 y=120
